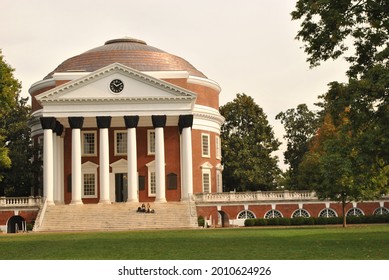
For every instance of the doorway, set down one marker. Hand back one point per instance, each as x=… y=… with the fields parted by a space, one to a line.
x=121 y=187
x=16 y=224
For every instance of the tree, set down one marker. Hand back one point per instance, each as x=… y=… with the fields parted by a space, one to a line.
x=327 y=26
x=300 y=126
x=247 y=144
x=18 y=179
x=9 y=86
x=348 y=159
x=15 y=141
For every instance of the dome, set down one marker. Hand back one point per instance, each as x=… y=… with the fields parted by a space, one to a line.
x=131 y=52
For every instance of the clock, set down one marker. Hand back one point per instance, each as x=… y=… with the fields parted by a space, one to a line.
x=116 y=86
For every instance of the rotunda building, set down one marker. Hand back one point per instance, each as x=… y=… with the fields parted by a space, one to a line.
x=126 y=122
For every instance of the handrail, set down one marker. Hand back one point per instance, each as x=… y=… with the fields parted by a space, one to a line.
x=40 y=216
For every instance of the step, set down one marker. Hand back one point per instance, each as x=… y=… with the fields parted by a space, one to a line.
x=118 y=216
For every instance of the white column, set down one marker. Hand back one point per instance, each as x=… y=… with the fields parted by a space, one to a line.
x=132 y=158
x=185 y=125
x=48 y=169
x=61 y=187
x=76 y=125
x=159 y=123
x=160 y=165
x=132 y=166
x=55 y=167
x=48 y=124
x=104 y=123
x=187 y=179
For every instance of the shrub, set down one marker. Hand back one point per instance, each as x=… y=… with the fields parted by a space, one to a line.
x=260 y=222
x=273 y=222
x=355 y=219
x=200 y=221
x=297 y=221
x=284 y=221
x=249 y=222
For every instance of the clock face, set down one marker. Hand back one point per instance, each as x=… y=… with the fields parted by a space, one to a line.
x=116 y=86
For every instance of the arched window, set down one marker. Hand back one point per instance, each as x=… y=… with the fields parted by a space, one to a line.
x=246 y=214
x=354 y=212
x=327 y=213
x=301 y=213
x=273 y=214
x=381 y=211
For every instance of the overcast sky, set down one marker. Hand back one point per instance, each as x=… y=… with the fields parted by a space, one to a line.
x=246 y=46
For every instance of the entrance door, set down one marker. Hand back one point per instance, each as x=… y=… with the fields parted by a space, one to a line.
x=121 y=187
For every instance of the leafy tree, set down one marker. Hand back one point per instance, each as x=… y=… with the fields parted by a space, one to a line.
x=15 y=145
x=328 y=26
x=348 y=158
x=300 y=126
x=247 y=145
x=8 y=88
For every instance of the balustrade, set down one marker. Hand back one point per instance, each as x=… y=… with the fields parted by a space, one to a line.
x=255 y=196
x=20 y=201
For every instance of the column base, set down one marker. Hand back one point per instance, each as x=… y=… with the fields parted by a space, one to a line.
x=50 y=203
x=104 y=202
x=160 y=200
x=77 y=202
x=135 y=200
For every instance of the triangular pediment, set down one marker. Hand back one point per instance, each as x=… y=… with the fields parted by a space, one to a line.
x=95 y=88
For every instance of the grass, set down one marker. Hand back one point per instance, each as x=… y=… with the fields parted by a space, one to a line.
x=366 y=242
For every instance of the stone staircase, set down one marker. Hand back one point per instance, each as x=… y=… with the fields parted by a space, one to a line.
x=117 y=217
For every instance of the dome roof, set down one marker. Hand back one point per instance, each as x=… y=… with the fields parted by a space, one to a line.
x=131 y=52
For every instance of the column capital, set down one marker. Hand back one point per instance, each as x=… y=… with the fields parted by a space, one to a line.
x=76 y=122
x=185 y=121
x=58 y=128
x=158 y=120
x=48 y=122
x=131 y=121
x=103 y=122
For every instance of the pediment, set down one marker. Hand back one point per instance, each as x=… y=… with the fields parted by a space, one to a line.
x=95 y=88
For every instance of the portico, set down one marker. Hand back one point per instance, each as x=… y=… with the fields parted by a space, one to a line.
x=97 y=131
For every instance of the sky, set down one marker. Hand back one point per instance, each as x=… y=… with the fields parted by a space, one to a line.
x=246 y=46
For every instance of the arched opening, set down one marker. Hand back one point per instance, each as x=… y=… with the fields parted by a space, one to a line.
x=16 y=224
x=224 y=221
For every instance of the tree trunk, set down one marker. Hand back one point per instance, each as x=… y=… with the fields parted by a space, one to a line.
x=344 y=210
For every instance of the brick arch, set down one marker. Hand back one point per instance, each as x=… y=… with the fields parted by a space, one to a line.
x=15 y=224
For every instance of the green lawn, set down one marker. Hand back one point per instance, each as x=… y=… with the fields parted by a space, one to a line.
x=306 y=243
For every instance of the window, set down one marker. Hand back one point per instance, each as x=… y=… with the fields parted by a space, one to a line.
x=152 y=182
x=218 y=148
x=219 y=186
x=354 y=212
x=151 y=142
x=327 y=213
x=89 y=179
x=40 y=148
x=205 y=149
x=88 y=143
x=273 y=214
x=246 y=214
x=120 y=143
x=206 y=180
x=381 y=211
x=89 y=184
x=301 y=213
x=172 y=181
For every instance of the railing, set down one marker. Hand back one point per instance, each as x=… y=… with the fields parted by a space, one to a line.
x=20 y=202
x=255 y=196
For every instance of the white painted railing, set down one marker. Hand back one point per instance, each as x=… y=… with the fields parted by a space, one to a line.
x=255 y=196
x=20 y=201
